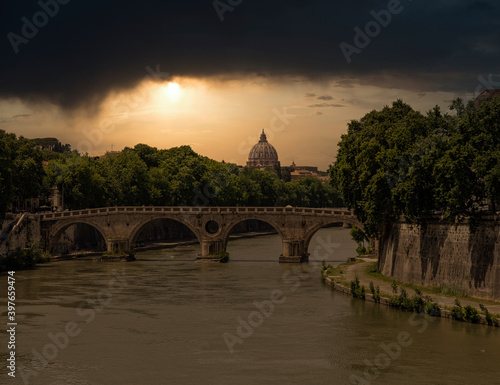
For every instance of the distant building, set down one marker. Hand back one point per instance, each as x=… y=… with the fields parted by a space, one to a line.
x=304 y=168
x=55 y=200
x=28 y=204
x=51 y=144
x=300 y=172
x=263 y=154
x=112 y=152
x=109 y=153
x=485 y=96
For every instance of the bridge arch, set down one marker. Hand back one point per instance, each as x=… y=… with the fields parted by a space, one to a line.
x=329 y=221
x=230 y=226
x=136 y=230
x=60 y=227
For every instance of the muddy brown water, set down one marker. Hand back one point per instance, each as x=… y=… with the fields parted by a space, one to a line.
x=166 y=319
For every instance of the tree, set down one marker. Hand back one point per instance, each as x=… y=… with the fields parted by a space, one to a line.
x=149 y=155
x=28 y=177
x=125 y=179
x=6 y=171
x=79 y=179
x=359 y=237
x=399 y=162
x=371 y=159
x=21 y=171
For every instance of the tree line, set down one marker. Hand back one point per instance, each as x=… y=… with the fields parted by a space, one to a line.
x=145 y=175
x=398 y=161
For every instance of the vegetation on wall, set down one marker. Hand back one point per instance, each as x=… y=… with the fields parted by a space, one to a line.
x=24 y=259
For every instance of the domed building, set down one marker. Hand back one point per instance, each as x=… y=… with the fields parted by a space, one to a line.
x=263 y=154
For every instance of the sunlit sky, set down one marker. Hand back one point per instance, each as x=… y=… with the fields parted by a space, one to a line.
x=109 y=74
x=220 y=119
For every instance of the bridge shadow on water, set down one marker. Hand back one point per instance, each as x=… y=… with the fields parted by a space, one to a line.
x=164 y=260
x=255 y=260
x=174 y=260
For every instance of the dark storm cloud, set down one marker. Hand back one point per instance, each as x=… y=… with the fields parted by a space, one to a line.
x=346 y=83
x=9 y=119
x=482 y=6
x=22 y=116
x=326 y=105
x=89 y=48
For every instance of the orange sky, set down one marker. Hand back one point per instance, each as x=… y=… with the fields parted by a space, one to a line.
x=219 y=119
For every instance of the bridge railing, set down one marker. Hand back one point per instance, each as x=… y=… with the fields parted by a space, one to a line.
x=196 y=210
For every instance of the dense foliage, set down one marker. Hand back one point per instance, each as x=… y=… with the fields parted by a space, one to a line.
x=397 y=161
x=21 y=171
x=178 y=176
x=144 y=175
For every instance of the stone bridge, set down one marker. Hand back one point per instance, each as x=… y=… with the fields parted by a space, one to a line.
x=120 y=226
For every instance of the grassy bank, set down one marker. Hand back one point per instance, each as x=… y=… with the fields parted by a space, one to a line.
x=361 y=279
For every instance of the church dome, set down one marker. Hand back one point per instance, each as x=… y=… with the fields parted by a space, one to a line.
x=263 y=154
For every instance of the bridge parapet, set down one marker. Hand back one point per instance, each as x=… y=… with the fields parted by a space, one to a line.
x=194 y=210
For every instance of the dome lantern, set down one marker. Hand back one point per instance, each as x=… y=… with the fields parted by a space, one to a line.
x=263 y=137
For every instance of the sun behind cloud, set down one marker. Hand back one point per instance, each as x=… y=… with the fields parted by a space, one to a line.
x=173 y=91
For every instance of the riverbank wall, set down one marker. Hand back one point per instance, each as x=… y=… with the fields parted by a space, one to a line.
x=444 y=255
x=18 y=231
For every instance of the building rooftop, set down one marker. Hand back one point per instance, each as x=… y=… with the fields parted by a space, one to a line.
x=485 y=96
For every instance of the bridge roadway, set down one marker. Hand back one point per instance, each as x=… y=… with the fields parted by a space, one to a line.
x=120 y=226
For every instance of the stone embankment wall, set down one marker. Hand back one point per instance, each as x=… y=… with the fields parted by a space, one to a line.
x=452 y=257
x=26 y=229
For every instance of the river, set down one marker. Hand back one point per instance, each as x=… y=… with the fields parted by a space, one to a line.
x=166 y=319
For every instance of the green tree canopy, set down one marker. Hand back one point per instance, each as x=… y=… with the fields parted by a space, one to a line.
x=21 y=170
x=397 y=161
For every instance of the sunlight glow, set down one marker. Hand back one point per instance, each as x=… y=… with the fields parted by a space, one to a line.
x=173 y=91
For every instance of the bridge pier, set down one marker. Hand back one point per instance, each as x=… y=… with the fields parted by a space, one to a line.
x=119 y=248
x=294 y=251
x=211 y=249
